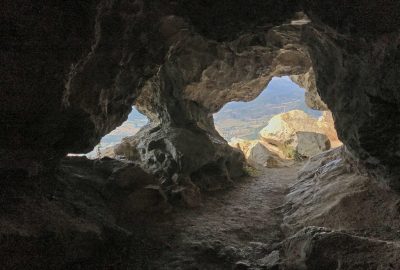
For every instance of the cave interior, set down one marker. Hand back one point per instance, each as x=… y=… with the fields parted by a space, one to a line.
x=71 y=72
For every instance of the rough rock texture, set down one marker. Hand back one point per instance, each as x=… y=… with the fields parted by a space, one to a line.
x=282 y=127
x=181 y=156
x=338 y=217
x=315 y=248
x=312 y=98
x=326 y=124
x=331 y=193
x=258 y=154
x=355 y=59
x=88 y=216
x=198 y=77
x=63 y=90
x=295 y=133
x=292 y=135
x=71 y=71
x=308 y=144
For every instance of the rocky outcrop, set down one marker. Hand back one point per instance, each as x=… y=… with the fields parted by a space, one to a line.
x=183 y=156
x=288 y=136
x=312 y=98
x=332 y=193
x=307 y=144
x=283 y=126
x=346 y=68
x=327 y=127
x=87 y=216
x=258 y=154
x=334 y=202
x=315 y=248
x=296 y=134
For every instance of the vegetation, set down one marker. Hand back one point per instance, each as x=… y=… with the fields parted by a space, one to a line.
x=251 y=171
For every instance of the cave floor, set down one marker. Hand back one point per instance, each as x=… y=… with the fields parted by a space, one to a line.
x=232 y=228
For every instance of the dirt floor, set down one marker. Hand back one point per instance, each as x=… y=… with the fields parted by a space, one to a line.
x=232 y=230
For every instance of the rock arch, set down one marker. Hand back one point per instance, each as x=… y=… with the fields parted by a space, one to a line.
x=179 y=69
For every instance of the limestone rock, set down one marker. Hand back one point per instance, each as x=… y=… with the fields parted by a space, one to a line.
x=327 y=126
x=147 y=199
x=332 y=193
x=84 y=217
x=308 y=144
x=187 y=193
x=271 y=261
x=295 y=133
x=312 y=98
x=130 y=176
x=114 y=51
x=281 y=127
x=336 y=216
x=181 y=61
x=257 y=154
x=205 y=159
x=315 y=248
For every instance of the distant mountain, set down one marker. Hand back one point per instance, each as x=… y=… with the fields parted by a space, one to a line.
x=245 y=119
x=135 y=121
x=130 y=127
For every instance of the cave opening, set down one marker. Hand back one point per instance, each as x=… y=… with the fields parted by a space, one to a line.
x=277 y=126
x=135 y=121
x=245 y=119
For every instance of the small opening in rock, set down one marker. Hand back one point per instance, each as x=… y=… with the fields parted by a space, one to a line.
x=130 y=127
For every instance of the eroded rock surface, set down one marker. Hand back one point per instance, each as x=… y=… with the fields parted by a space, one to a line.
x=295 y=133
x=327 y=127
x=72 y=70
x=64 y=99
x=320 y=248
x=333 y=202
x=312 y=98
x=258 y=154
x=331 y=193
x=90 y=215
x=183 y=156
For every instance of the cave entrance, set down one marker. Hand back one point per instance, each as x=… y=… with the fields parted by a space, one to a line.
x=130 y=127
x=277 y=126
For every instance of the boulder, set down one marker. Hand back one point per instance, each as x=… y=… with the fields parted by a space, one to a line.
x=282 y=127
x=258 y=154
x=308 y=144
x=296 y=134
x=187 y=154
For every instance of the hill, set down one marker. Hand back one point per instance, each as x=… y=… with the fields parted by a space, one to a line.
x=246 y=119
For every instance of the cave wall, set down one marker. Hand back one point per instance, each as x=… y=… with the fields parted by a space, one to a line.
x=356 y=61
x=36 y=54
x=73 y=70
x=198 y=77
